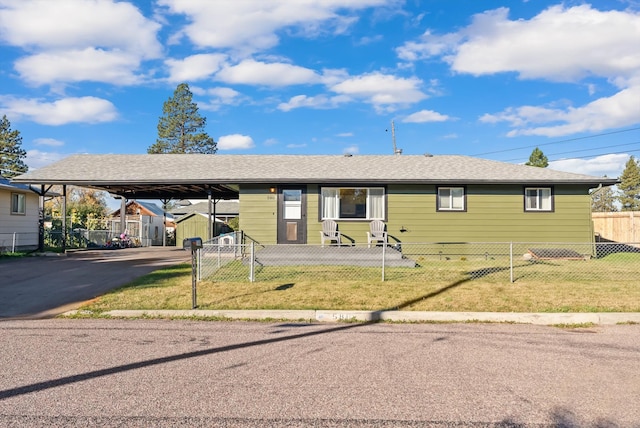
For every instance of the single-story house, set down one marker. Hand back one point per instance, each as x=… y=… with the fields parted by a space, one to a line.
x=285 y=198
x=19 y=217
x=145 y=222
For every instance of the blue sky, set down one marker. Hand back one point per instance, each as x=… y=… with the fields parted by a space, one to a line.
x=492 y=79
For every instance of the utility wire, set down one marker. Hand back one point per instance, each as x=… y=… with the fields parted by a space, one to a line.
x=601 y=154
x=558 y=142
x=578 y=151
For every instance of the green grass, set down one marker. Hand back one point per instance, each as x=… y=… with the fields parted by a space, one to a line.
x=455 y=285
x=12 y=255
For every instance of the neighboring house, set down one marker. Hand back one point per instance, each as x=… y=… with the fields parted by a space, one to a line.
x=19 y=212
x=145 y=222
x=285 y=198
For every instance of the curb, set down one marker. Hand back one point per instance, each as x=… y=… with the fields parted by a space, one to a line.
x=602 y=318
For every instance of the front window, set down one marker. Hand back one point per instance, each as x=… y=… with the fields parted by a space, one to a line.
x=18 y=203
x=451 y=199
x=538 y=199
x=353 y=203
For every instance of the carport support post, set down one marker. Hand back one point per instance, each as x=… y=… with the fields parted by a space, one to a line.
x=209 y=233
x=64 y=218
x=165 y=202
x=123 y=214
x=41 y=219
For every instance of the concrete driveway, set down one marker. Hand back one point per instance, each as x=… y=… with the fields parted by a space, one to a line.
x=43 y=287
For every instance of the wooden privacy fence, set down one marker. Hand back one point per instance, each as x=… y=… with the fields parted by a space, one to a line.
x=621 y=226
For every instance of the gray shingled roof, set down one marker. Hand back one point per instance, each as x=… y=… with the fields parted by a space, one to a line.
x=275 y=169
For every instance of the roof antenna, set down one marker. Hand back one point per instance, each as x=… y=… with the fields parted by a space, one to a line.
x=396 y=151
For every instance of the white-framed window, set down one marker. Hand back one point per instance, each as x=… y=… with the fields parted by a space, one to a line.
x=18 y=203
x=352 y=203
x=538 y=199
x=451 y=199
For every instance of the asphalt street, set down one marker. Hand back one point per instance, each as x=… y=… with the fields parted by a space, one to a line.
x=41 y=287
x=169 y=373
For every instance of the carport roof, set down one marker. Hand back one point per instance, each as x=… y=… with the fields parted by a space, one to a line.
x=190 y=175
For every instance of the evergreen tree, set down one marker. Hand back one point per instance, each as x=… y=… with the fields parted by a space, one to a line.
x=629 y=186
x=538 y=159
x=11 y=154
x=603 y=199
x=180 y=128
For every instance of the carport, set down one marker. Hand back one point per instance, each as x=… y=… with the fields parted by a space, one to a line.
x=162 y=177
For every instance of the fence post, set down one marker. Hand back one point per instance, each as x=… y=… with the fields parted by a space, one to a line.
x=511 y=261
x=13 y=243
x=252 y=264
x=200 y=263
x=384 y=249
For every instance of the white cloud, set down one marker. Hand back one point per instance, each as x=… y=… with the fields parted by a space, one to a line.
x=251 y=72
x=51 y=142
x=559 y=44
x=619 y=110
x=219 y=97
x=252 y=25
x=424 y=116
x=352 y=150
x=194 y=67
x=235 y=142
x=384 y=91
x=317 y=102
x=562 y=44
x=105 y=40
x=345 y=134
x=296 y=146
x=610 y=165
x=37 y=159
x=63 y=111
x=79 y=65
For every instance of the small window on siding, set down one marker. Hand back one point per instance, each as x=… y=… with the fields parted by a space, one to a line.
x=451 y=199
x=18 y=203
x=538 y=199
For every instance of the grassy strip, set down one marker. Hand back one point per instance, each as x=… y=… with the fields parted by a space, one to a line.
x=448 y=288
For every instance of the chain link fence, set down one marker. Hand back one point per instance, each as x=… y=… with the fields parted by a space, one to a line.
x=499 y=262
x=18 y=241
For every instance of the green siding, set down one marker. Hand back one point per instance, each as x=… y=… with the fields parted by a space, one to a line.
x=259 y=213
x=495 y=213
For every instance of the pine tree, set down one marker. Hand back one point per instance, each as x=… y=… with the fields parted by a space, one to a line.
x=180 y=128
x=538 y=159
x=603 y=200
x=629 y=187
x=11 y=153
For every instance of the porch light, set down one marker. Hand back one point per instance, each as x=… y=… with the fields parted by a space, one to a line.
x=272 y=189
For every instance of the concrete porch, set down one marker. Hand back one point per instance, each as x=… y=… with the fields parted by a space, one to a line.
x=290 y=255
